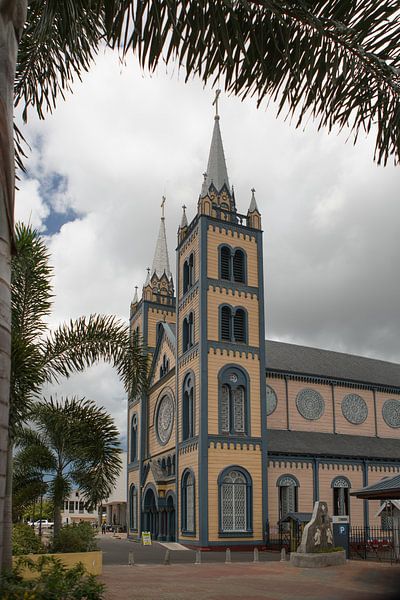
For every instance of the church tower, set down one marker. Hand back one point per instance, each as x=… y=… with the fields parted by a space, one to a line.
x=221 y=469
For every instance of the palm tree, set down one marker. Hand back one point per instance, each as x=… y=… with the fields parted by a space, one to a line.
x=335 y=60
x=74 y=443
x=39 y=355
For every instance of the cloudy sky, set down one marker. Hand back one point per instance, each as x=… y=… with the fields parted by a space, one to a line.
x=100 y=164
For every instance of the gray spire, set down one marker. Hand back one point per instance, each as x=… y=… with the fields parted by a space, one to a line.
x=184 y=222
x=216 y=168
x=161 y=260
x=253 y=204
x=135 y=297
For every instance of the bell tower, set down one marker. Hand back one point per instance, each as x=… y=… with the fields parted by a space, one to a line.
x=220 y=366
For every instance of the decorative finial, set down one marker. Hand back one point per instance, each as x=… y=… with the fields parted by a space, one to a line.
x=204 y=176
x=148 y=270
x=217 y=93
x=253 y=191
x=184 y=222
x=162 y=208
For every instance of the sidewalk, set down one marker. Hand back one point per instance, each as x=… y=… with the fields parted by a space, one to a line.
x=263 y=581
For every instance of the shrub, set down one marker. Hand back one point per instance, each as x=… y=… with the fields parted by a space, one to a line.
x=25 y=541
x=54 y=582
x=78 y=537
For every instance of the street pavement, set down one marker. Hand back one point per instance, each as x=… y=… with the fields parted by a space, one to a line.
x=116 y=551
x=272 y=580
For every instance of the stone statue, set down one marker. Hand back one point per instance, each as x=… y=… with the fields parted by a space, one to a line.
x=317 y=534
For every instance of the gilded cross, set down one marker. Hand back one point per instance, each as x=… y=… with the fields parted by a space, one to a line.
x=217 y=93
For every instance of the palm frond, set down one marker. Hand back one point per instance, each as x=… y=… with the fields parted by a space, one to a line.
x=76 y=345
x=336 y=60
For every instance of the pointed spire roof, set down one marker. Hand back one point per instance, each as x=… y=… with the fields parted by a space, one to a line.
x=217 y=172
x=135 y=297
x=253 y=203
x=184 y=221
x=161 y=261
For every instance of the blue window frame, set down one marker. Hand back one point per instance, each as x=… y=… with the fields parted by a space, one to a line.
x=234 y=409
x=188 y=412
x=133 y=507
x=235 y=490
x=188 y=522
x=188 y=273
x=134 y=435
x=341 y=495
x=232 y=264
x=188 y=332
x=233 y=324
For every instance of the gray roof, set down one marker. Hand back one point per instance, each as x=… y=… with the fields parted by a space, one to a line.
x=216 y=169
x=299 y=517
x=326 y=363
x=332 y=444
x=388 y=488
x=161 y=260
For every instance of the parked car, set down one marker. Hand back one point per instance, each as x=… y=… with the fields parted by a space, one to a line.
x=45 y=523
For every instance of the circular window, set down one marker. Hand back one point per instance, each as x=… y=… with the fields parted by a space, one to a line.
x=165 y=419
x=354 y=409
x=310 y=404
x=391 y=413
x=272 y=400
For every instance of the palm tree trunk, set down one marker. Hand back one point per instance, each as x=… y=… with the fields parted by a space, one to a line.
x=57 y=519
x=7 y=552
x=12 y=19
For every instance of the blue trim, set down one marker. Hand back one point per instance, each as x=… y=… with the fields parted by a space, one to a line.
x=315 y=480
x=203 y=400
x=239 y=347
x=249 y=502
x=287 y=403
x=281 y=477
x=188 y=471
x=236 y=287
x=150 y=486
x=246 y=384
x=375 y=413
x=365 y=502
x=189 y=373
x=132 y=488
x=263 y=392
x=333 y=407
x=188 y=294
x=133 y=466
x=133 y=440
x=177 y=262
x=232 y=251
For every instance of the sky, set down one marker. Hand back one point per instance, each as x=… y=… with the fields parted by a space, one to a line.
x=99 y=165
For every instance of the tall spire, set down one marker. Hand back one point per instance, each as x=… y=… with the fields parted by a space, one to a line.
x=161 y=260
x=216 y=169
x=253 y=203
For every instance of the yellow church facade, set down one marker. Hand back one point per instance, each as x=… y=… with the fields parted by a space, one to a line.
x=236 y=432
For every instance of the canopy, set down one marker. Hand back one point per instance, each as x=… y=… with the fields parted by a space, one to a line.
x=386 y=489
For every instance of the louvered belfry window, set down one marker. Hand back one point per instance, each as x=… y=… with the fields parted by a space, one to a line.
x=226 y=263
x=239 y=325
x=238 y=266
x=234 y=502
x=226 y=323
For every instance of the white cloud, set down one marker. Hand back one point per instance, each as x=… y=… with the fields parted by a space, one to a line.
x=29 y=206
x=330 y=215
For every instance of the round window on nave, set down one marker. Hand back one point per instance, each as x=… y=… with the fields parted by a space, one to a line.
x=310 y=404
x=272 y=400
x=165 y=418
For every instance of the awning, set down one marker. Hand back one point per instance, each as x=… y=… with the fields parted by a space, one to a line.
x=386 y=489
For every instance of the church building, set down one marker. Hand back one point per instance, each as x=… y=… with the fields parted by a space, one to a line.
x=237 y=431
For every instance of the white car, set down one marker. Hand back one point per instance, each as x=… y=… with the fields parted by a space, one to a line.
x=45 y=523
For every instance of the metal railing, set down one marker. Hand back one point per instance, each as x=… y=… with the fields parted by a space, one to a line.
x=374 y=543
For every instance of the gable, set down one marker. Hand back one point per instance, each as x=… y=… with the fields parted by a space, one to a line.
x=164 y=356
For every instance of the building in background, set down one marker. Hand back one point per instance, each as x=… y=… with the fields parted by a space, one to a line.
x=76 y=511
x=236 y=432
x=113 y=510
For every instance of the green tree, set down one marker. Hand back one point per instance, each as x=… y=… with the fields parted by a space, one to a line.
x=39 y=355
x=334 y=60
x=74 y=443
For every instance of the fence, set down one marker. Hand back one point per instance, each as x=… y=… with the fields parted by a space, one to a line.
x=374 y=543
x=278 y=537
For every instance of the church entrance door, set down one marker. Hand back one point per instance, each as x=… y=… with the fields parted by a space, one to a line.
x=170 y=520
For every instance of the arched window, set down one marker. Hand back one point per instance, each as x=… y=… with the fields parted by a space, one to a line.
x=188 y=332
x=188 y=408
x=188 y=273
x=233 y=402
x=233 y=325
x=187 y=492
x=341 y=496
x=159 y=328
x=134 y=438
x=133 y=506
x=226 y=323
x=164 y=367
x=239 y=326
x=288 y=495
x=232 y=264
x=235 y=501
x=239 y=266
x=225 y=263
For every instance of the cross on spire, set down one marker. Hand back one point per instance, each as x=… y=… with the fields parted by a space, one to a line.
x=162 y=207
x=217 y=93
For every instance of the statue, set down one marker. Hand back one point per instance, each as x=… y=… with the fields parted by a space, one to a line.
x=317 y=534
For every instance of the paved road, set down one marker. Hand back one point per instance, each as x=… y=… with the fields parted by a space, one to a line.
x=116 y=551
